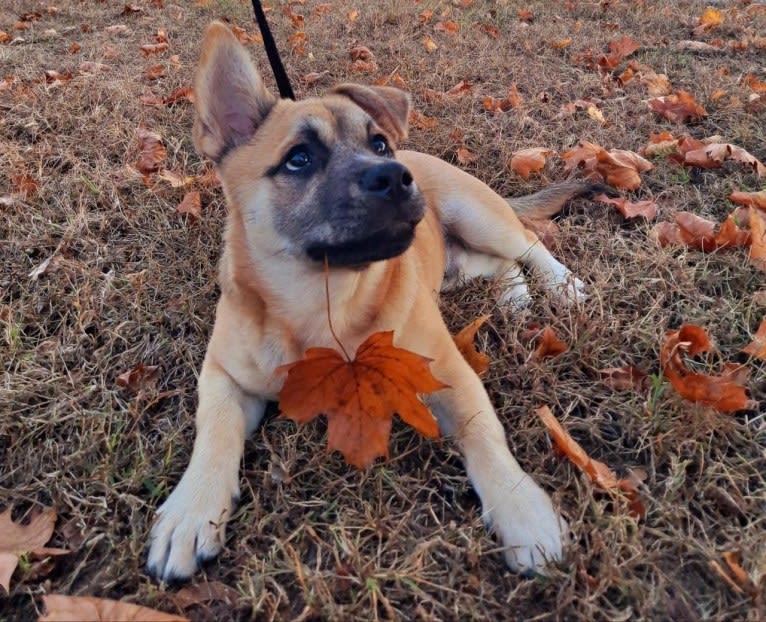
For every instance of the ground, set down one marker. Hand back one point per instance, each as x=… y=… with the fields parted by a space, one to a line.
x=101 y=273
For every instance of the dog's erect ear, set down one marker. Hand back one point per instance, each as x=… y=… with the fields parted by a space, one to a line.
x=229 y=95
x=388 y=106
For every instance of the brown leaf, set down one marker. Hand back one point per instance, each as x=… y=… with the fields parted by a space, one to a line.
x=296 y=18
x=465 y=156
x=646 y=209
x=153 y=152
x=359 y=397
x=314 y=77
x=24 y=184
x=458 y=91
x=448 y=27
x=721 y=392
x=62 y=608
x=156 y=72
x=583 y=154
x=624 y=378
x=298 y=41
x=618 y=50
x=559 y=44
x=201 y=593
x=525 y=15
x=678 y=107
x=735 y=575
x=512 y=100
x=421 y=121
x=751 y=199
x=758 y=239
x=549 y=345
x=757 y=347
x=182 y=93
x=526 y=161
x=360 y=52
x=599 y=473
x=489 y=30
x=151 y=49
x=93 y=67
x=621 y=168
x=660 y=144
x=17 y=539
x=191 y=204
x=478 y=361
x=429 y=44
x=139 y=377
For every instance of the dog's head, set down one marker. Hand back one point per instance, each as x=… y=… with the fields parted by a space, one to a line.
x=315 y=178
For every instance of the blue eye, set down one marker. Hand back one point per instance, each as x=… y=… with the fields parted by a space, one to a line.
x=380 y=144
x=297 y=158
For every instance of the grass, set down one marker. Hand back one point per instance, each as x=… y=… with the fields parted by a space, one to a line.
x=129 y=280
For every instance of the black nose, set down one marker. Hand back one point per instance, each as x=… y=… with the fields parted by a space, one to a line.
x=389 y=180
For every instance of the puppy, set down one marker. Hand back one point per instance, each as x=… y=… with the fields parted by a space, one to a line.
x=318 y=180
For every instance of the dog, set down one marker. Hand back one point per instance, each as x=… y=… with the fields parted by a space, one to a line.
x=320 y=180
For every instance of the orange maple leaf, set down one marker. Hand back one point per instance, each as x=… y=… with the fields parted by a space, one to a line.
x=360 y=397
x=478 y=361
x=725 y=392
x=549 y=345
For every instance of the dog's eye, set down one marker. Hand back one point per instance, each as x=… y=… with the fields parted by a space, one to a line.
x=297 y=158
x=380 y=145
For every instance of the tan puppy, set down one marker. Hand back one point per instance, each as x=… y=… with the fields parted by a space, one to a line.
x=319 y=178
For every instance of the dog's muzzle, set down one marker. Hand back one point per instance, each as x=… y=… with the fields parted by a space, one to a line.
x=395 y=206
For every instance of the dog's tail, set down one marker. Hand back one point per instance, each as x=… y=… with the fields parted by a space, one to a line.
x=549 y=201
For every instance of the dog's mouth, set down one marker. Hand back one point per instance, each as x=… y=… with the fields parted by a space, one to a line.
x=383 y=244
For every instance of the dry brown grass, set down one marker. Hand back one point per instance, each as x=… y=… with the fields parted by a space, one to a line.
x=131 y=281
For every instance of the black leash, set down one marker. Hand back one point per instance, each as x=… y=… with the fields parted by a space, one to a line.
x=283 y=82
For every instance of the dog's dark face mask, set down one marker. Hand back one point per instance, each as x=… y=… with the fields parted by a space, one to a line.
x=319 y=173
x=347 y=199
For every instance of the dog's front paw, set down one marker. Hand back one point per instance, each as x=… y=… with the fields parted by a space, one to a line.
x=530 y=529
x=189 y=529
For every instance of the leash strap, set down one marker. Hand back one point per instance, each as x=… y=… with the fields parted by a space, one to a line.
x=283 y=82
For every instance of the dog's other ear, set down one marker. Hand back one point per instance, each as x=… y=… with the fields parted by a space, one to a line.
x=388 y=106
x=229 y=95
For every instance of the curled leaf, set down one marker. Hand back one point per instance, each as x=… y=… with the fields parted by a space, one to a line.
x=478 y=361
x=646 y=209
x=527 y=161
x=724 y=392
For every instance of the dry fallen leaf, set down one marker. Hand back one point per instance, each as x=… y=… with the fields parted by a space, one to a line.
x=429 y=44
x=735 y=575
x=139 y=377
x=191 y=204
x=62 y=608
x=30 y=539
x=724 y=392
x=599 y=473
x=646 y=209
x=621 y=168
x=751 y=199
x=478 y=361
x=153 y=48
x=206 y=592
x=465 y=156
x=24 y=184
x=680 y=107
x=700 y=233
x=624 y=378
x=549 y=345
x=757 y=347
x=153 y=152
x=618 y=50
x=758 y=240
x=527 y=161
x=359 y=397
x=512 y=100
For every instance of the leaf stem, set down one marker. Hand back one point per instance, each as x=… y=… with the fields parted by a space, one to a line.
x=329 y=315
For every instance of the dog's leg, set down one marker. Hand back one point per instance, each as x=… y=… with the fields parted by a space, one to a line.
x=190 y=525
x=465 y=265
x=518 y=510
